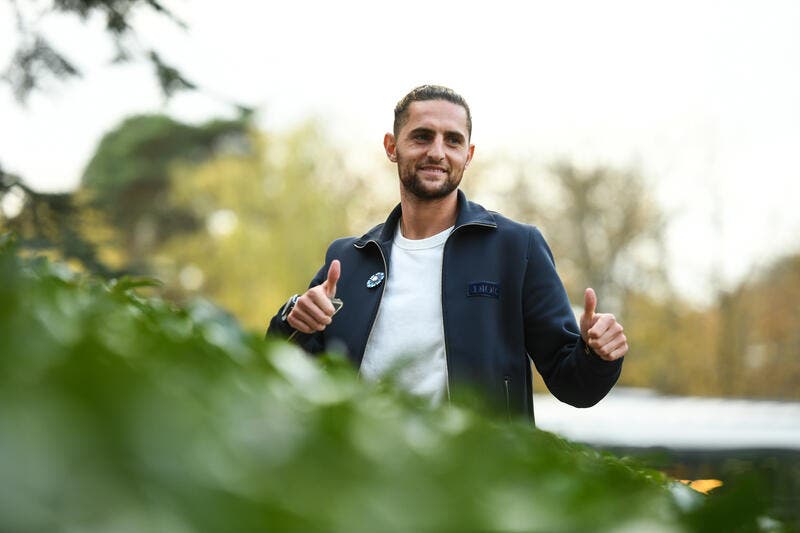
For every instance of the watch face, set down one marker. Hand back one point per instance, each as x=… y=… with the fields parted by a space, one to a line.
x=287 y=308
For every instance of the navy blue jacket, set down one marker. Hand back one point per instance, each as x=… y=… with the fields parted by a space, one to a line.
x=502 y=302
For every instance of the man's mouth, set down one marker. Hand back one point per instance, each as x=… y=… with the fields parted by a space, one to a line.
x=433 y=170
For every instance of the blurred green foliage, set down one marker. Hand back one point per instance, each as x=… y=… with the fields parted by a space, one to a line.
x=125 y=413
x=128 y=177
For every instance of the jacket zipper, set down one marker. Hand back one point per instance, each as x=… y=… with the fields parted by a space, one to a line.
x=444 y=314
x=507 y=381
x=383 y=285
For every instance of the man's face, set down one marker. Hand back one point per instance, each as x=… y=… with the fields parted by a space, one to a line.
x=431 y=149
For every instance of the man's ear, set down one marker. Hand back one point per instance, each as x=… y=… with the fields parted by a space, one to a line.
x=390 y=145
x=470 y=153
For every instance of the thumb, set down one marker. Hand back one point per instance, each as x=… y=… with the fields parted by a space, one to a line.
x=334 y=272
x=589 y=303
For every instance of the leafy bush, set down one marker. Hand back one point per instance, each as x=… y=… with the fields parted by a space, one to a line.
x=125 y=413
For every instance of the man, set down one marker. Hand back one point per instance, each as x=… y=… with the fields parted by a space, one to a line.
x=446 y=296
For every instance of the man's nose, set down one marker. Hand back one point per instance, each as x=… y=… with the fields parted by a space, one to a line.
x=436 y=149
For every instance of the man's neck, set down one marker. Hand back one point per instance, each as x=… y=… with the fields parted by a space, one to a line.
x=424 y=218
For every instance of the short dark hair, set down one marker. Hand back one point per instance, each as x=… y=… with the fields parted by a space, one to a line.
x=428 y=92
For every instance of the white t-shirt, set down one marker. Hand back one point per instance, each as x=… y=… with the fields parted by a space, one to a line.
x=406 y=344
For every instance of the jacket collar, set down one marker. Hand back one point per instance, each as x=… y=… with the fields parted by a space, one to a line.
x=468 y=213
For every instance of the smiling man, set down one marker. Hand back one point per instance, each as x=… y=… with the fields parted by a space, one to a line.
x=446 y=296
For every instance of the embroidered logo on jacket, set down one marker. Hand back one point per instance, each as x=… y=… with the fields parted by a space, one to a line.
x=488 y=289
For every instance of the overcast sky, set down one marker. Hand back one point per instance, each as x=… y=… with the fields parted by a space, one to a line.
x=701 y=95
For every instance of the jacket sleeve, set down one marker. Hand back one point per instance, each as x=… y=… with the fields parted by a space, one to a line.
x=573 y=373
x=278 y=329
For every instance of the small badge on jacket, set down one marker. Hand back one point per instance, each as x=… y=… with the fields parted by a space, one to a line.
x=375 y=280
x=488 y=289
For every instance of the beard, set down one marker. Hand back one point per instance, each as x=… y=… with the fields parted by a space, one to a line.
x=416 y=186
x=427 y=189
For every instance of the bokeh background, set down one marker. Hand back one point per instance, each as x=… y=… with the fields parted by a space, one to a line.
x=220 y=147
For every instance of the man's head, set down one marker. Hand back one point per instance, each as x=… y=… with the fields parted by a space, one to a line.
x=430 y=143
x=429 y=92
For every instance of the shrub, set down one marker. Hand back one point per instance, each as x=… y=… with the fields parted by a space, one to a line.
x=125 y=413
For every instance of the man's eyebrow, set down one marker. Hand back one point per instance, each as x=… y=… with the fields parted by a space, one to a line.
x=423 y=129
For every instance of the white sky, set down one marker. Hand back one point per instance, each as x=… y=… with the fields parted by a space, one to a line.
x=701 y=95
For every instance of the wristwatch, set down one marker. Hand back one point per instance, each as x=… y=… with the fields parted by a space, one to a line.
x=287 y=308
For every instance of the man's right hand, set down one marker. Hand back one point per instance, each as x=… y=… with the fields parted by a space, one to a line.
x=313 y=310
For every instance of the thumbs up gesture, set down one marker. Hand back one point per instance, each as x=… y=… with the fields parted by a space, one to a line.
x=600 y=331
x=313 y=310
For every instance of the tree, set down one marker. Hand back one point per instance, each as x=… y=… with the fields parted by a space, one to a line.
x=605 y=229
x=56 y=221
x=745 y=344
x=128 y=177
x=37 y=62
x=759 y=341
x=267 y=217
x=51 y=223
x=673 y=346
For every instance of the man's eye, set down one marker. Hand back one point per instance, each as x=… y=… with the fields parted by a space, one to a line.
x=421 y=137
x=454 y=140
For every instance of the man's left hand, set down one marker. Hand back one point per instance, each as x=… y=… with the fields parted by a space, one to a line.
x=600 y=331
